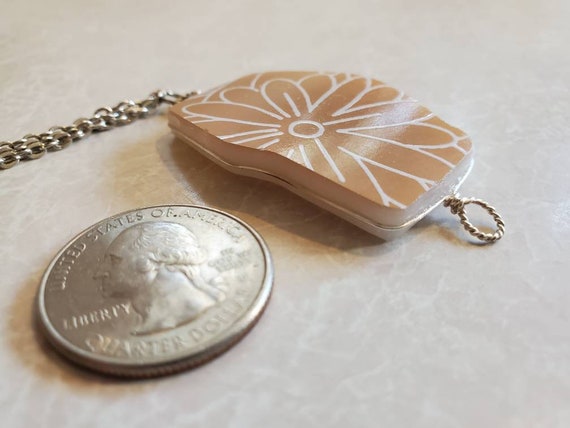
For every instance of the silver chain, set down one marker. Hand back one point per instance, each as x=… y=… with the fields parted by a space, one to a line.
x=34 y=146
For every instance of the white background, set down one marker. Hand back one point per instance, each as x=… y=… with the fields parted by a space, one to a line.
x=426 y=331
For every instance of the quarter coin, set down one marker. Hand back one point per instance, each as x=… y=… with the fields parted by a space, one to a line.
x=155 y=290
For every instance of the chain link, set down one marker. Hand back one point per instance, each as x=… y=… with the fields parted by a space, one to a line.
x=34 y=146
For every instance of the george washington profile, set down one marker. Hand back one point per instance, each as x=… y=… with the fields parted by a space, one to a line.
x=157 y=267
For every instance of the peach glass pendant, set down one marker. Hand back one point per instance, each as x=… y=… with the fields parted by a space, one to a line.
x=350 y=144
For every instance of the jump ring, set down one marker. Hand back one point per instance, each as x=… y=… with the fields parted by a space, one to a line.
x=457 y=206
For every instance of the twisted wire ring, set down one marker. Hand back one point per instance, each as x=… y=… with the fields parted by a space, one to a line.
x=457 y=206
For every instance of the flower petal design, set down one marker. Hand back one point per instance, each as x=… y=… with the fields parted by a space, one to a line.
x=406 y=158
x=231 y=131
x=245 y=96
x=287 y=98
x=357 y=132
x=240 y=114
x=382 y=116
x=340 y=96
x=370 y=97
x=318 y=84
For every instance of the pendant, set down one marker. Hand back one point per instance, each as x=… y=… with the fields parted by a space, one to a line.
x=352 y=145
x=155 y=290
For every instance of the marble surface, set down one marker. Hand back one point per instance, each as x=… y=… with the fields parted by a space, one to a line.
x=425 y=331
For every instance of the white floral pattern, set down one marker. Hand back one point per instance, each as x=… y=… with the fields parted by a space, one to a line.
x=356 y=131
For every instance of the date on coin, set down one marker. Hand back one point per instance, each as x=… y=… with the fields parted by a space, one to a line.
x=155 y=290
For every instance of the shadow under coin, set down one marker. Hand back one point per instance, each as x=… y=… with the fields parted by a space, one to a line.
x=35 y=353
x=215 y=187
